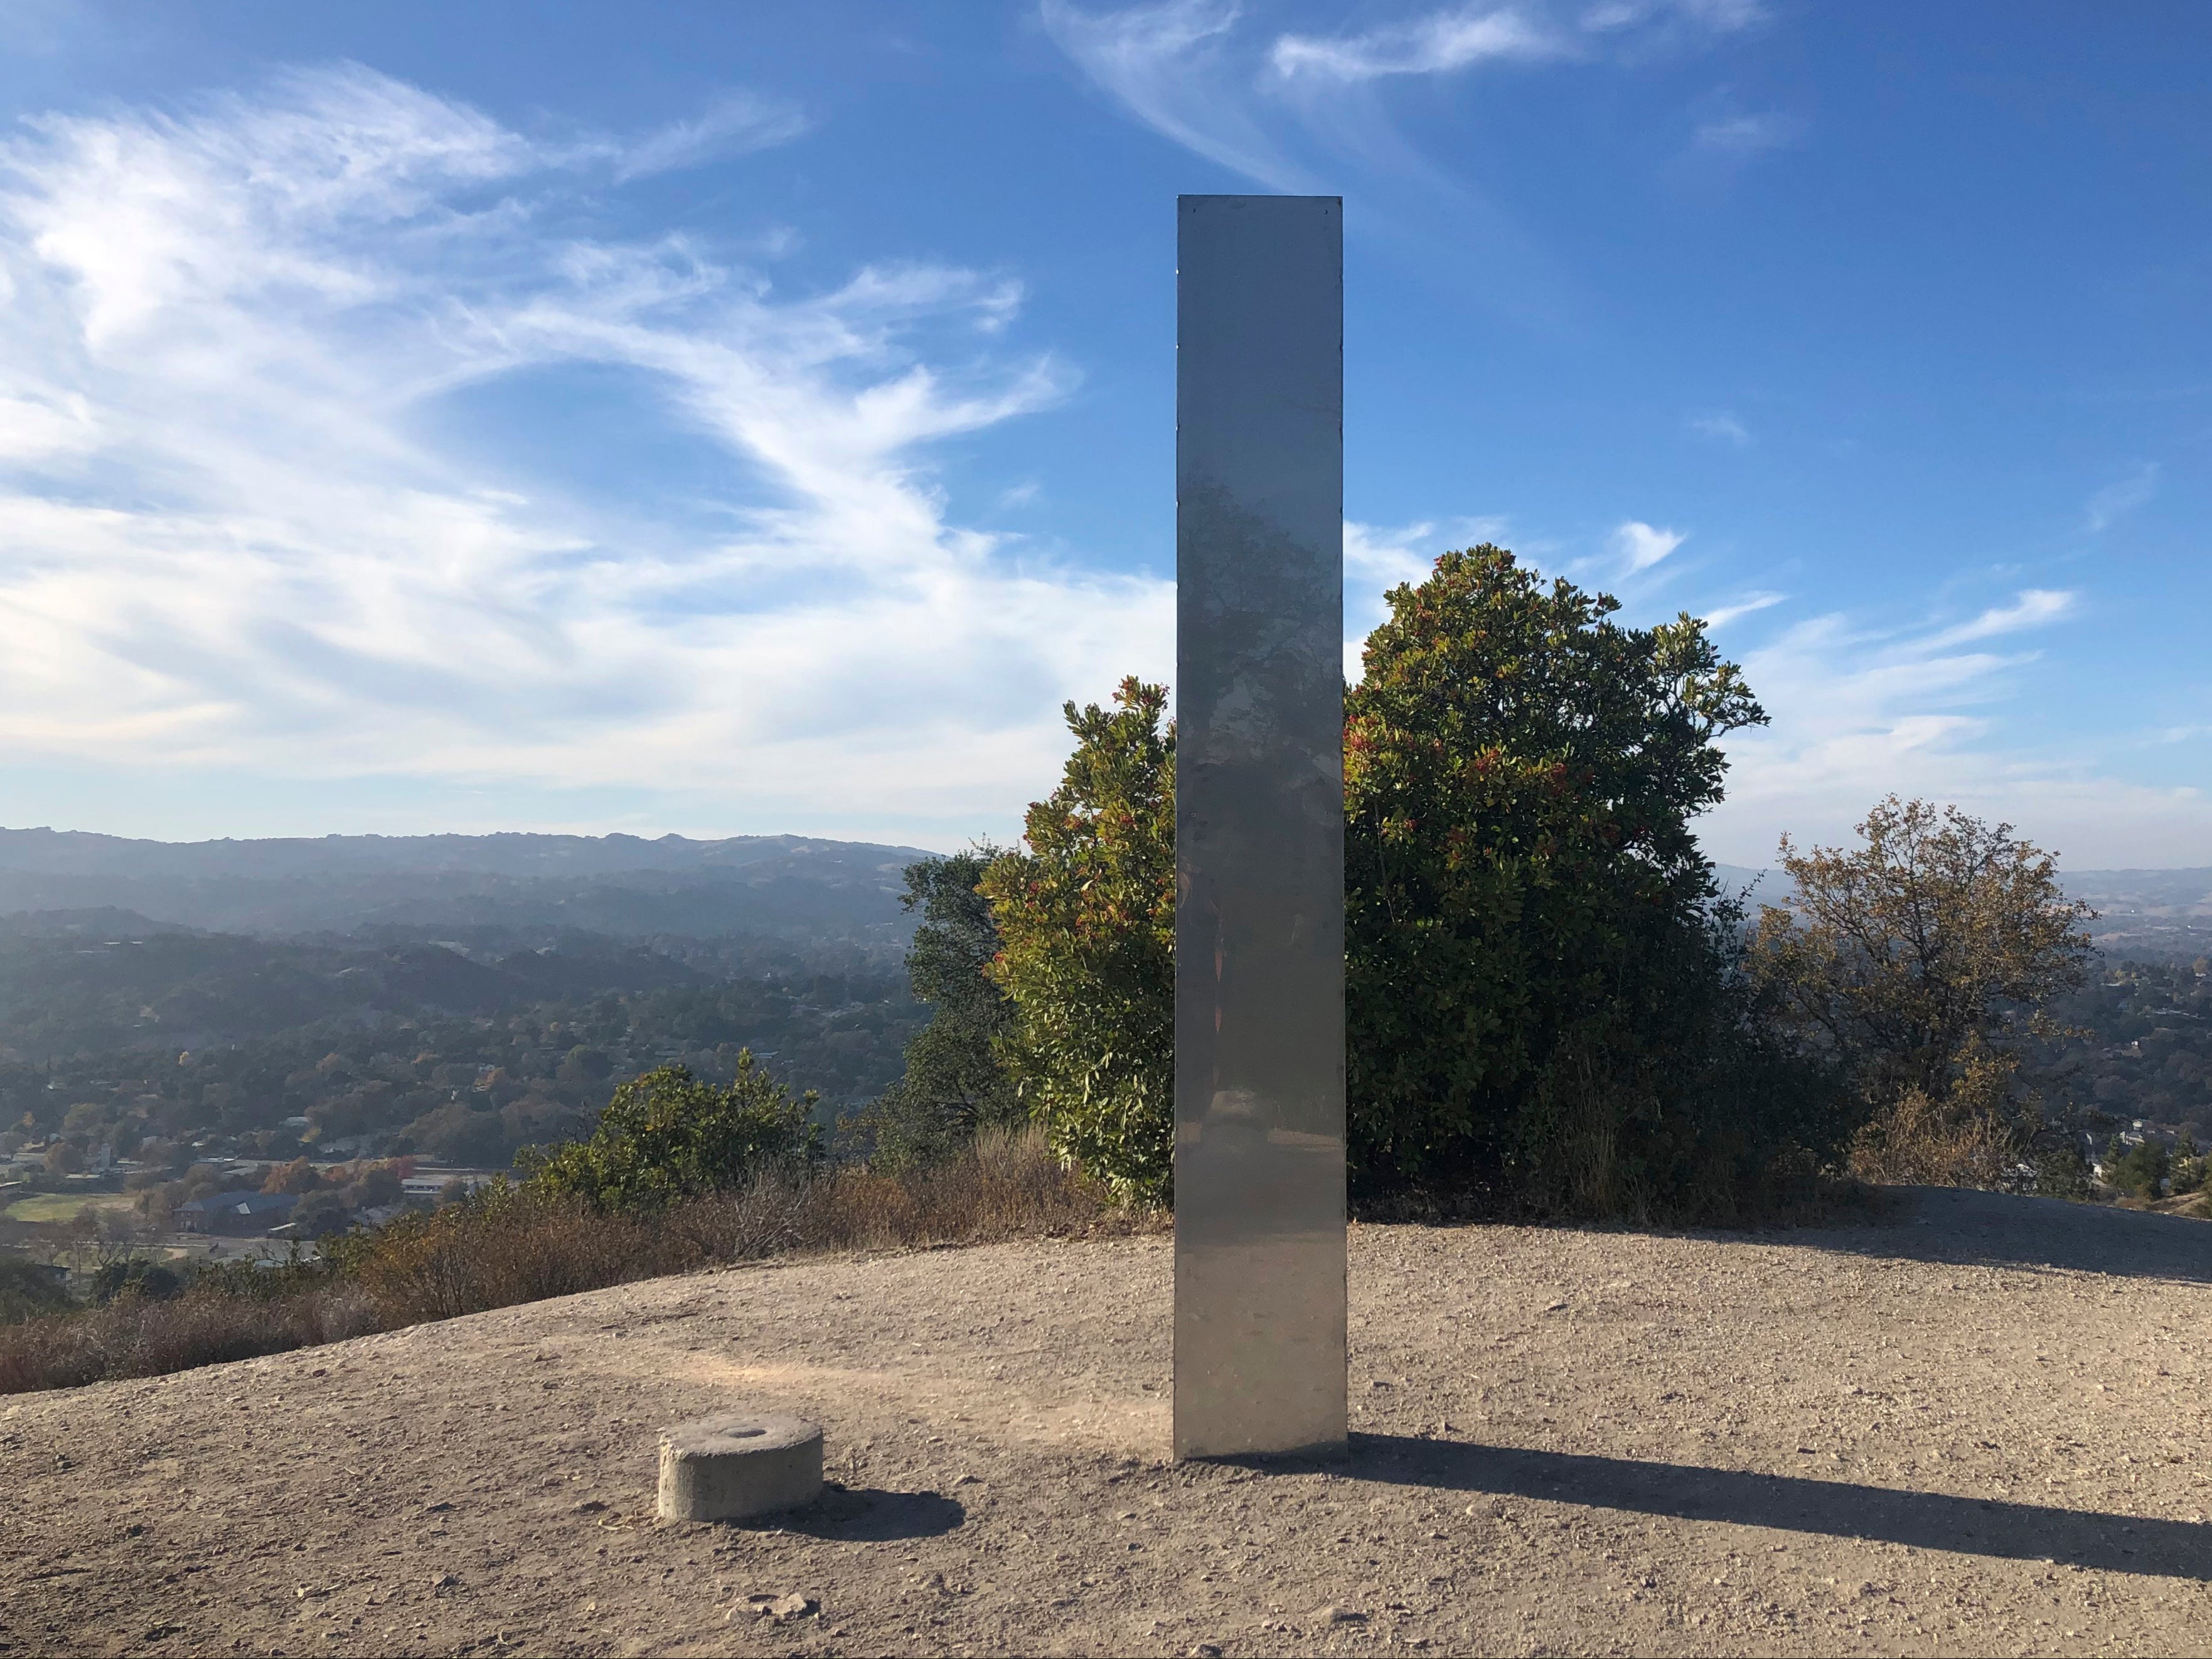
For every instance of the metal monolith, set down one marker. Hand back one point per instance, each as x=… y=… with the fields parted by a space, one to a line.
x=1258 y=1152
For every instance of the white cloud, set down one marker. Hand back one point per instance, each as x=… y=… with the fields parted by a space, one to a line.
x=1642 y=546
x=1444 y=42
x=2032 y=608
x=1857 y=714
x=237 y=531
x=1167 y=64
x=735 y=124
x=1439 y=43
x=2120 y=497
x=1292 y=112
x=1719 y=616
x=33 y=429
x=1377 y=559
x=1723 y=425
x=1382 y=559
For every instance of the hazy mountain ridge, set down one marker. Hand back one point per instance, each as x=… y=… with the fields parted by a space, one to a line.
x=508 y=853
x=789 y=886
x=529 y=889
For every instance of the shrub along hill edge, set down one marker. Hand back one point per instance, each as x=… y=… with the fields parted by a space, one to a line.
x=508 y=1244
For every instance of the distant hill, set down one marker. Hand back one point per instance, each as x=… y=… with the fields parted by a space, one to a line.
x=788 y=887
x=534 y=890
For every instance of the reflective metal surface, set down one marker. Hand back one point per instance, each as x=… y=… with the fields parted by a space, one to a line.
x=1260 y=1245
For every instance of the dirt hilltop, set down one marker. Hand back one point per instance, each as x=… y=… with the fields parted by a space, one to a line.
x=1980 y=1430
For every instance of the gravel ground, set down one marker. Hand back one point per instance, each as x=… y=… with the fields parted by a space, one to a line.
x=1980 y=1430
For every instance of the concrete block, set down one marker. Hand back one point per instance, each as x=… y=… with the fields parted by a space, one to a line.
x=726 y=1468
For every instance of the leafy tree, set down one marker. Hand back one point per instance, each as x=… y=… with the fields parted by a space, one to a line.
x=1923 y=959
x=667 y=1134
x=297 y=1176
x=454 y=1134
x=28 y=1290
x=321 y=1213
x=2062 y=1173
x=1086 y=921
x=2187 y=1171
x=151 y=1281
x=955 y=1083
x=380 y=1183
x=582 y=1065
x=1541 y=1011
x=2138 y=1171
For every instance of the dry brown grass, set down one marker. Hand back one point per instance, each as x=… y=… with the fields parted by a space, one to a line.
x=1918 y=1143
x=132 y=1336
x=515 y=1246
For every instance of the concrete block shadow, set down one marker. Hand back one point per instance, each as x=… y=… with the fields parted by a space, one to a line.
x=868 y=1515
x=1836 y=1508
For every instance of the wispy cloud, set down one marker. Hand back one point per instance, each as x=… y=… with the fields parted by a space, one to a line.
x=735 y=124
x=1719 y=616
x=1642 y=546
x=1438 y=44
x=1376 y=560
x=2033 y=607
x=1380 y=559
x=1858 y=712
x=1283 y=108
x=1723 y=425
x=1170 y=65
x=238 y=530
x=2120 y=497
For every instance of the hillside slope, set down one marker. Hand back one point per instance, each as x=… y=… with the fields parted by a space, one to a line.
x=1981 y=1430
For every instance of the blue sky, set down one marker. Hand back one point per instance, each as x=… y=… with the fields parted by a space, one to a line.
x=732 y=419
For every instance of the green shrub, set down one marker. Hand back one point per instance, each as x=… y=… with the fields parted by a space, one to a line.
x=1087 y=918
x=955 y=1083
x=28 y=1290
x=667 y=1134
x=1923 y=960
x=135 y=1276
x=2188 y=1168
x=1545 y=1013
x=2138 y=1171
x=2062 y=1174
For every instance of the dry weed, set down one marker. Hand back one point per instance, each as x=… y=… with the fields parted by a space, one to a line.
x=1919 y=1143
x=515 y=1246
x=133 y=1337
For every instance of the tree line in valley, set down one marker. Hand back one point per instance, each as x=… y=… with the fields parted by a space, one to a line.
x=213 y=1062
